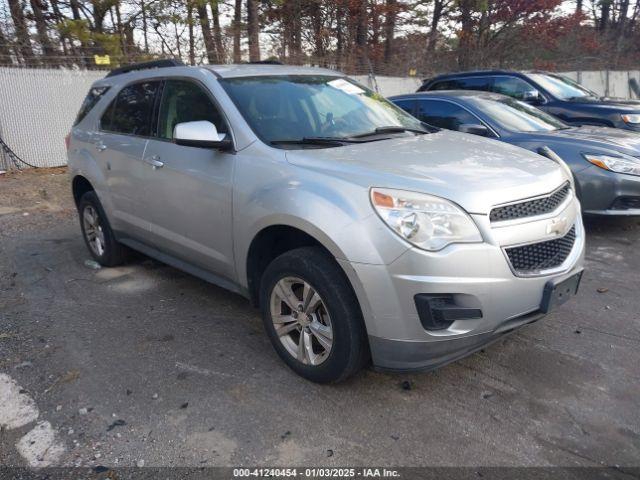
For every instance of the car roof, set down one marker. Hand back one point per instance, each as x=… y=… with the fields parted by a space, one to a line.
x=257 y=70
x=462 y=94
x=482 y=73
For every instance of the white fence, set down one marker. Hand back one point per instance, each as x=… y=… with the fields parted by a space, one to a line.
x=37 y=106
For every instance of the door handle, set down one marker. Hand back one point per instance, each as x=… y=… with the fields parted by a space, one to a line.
x=154 y=161
x=101 y=147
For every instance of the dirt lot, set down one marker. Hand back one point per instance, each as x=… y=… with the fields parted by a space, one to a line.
x=147 y=365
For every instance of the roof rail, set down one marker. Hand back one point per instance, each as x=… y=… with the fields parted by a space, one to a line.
x=144 y=66
x=266 y=62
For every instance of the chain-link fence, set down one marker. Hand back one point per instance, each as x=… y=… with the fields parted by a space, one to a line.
x=37 y=108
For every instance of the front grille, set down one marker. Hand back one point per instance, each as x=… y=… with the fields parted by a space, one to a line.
x=542 y=256
x=531 y=208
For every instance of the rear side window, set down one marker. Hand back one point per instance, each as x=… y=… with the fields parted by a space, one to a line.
x=94 y=95
x=444 y=114
x=131 y=112
x=470 y=83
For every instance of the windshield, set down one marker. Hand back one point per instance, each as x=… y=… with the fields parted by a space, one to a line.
x=283 y=108
x=517 y=116
x=561 y=87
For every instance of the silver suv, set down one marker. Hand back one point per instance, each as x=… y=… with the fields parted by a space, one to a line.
x=362 y=234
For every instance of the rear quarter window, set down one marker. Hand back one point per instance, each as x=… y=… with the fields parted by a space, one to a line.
x=90 y=101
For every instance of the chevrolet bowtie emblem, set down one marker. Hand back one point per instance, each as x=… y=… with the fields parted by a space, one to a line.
x=557 y=226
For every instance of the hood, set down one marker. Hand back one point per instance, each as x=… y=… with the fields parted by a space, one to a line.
x=617 y=139
x=474 y=172
x=622 y=104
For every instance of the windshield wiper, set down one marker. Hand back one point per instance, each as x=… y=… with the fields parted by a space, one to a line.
x=326 y=141
x=392 y=129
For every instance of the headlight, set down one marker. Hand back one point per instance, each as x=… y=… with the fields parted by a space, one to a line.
x=628 y=165
x=633 y=118
x=428 y=222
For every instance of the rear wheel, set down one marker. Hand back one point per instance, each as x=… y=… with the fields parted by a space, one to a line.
x=97 y=233
x=312 y=316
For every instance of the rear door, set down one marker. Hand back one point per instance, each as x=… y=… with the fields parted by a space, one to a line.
x=189 y=192
x=125 y=128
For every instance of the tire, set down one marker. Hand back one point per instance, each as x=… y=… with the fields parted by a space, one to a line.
x=111 y=253
x=304 y=343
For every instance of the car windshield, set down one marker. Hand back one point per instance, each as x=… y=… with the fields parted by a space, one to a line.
x=283 y=110
x=517 y=116
x=561 y=87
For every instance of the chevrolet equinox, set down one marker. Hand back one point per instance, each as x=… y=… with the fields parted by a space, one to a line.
x=363 y=235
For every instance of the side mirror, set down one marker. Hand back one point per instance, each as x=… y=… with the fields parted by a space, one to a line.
x=532 y=96
x=201 y=134
x=474 y=129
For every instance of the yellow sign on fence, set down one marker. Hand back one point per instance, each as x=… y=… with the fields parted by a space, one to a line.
x=102 y=59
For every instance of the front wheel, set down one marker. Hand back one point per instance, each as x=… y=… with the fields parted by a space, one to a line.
x=312 y=316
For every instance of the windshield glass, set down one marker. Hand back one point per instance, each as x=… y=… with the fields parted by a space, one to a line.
x=517 y=116
x=281 y=108
x=561 y=87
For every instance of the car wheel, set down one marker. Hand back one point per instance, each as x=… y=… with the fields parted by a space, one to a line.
x=97 y=233
x=312 y=316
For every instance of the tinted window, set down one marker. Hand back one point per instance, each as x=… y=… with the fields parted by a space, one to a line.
x=517 y=116
x=444 y=114
x=406 y=105
x=561 y=87
x=184 y=101
x=280 y=108
x=132 y=110
x=512 y=86
x=89 y=102
x=471 y=83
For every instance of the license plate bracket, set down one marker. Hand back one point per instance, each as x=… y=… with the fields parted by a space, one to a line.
x=556 y=292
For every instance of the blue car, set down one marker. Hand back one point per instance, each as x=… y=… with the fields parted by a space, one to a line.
x=605 y=162
x=555 y=94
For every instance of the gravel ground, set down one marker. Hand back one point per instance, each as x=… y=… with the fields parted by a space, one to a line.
x=146 y=365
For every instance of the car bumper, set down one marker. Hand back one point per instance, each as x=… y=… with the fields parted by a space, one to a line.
x=474 y=276
x=601 y=192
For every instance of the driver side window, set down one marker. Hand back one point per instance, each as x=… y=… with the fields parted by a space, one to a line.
x=184 y=101
x=512 y=86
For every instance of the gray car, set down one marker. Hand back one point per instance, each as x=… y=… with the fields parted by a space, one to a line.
x=605 y=162
x=363 y=235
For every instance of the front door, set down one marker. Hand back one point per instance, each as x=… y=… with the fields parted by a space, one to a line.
x=189 y=191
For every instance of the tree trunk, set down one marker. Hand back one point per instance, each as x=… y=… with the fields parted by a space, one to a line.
x=605 y=13
x=5 y=51
x=389 y=29
x=41 y=28
x=579 y=4
x=237 y=31
x=466 y=33
x=438 y=8
x=217 y=31
x=340 y=25
x=253 y=26
x=361 y=36
x=318 y=38
x=143 y=8
x=192 y=44
x=206 y=32
x=22 y=32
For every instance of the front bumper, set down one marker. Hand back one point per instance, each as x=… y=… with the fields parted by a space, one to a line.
x=601 y=191
x=476 y=276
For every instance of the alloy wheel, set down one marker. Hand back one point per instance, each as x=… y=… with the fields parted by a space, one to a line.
x=93 y=230
x=301 y=320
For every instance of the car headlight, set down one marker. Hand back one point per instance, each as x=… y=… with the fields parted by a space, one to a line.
x=633 y=118
x=428 y=222
x=628 y=165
